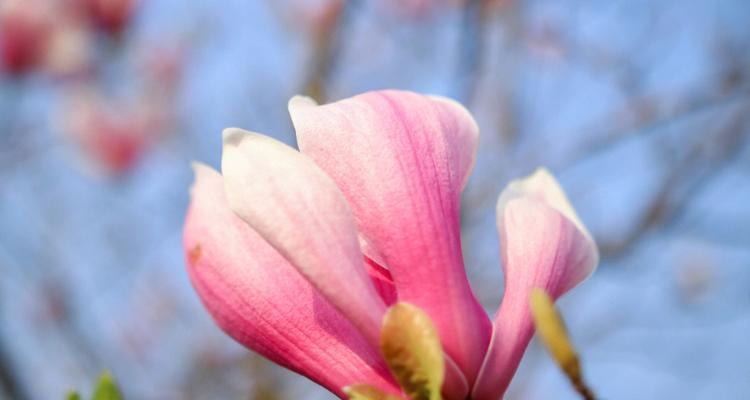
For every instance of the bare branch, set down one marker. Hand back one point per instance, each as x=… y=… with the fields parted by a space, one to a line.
x=327 y=44
x=9 y=385
x=705 y=160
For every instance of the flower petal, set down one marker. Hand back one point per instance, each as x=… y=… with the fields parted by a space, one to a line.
x=402 y=159
x=259 y=299
x=296 y=207
x=542 y=186
x=382 y=280
x=544 y=246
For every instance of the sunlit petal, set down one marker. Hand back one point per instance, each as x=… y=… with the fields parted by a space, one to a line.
x=262 y=301
x=402 y=159
x=544 y=245
x=298 y=209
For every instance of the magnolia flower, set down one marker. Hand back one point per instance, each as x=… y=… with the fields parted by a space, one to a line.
x=25 y=28
x=111 y=16
x=57 y=35
x=113 y=134
x=298 y=255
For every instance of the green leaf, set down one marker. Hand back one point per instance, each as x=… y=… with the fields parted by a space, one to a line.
x=411 y=347
x=106 y=388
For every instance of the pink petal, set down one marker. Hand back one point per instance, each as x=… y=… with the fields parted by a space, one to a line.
x=298 y=209
x=259 y=299
x=544 y=245
x=383 y=281
x=401 y=160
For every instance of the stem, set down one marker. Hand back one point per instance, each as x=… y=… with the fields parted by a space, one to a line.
x=583 y=390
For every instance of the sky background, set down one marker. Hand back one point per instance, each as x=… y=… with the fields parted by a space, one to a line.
x=640 y=108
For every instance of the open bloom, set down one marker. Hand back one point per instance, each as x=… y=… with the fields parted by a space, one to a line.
x=298 y=254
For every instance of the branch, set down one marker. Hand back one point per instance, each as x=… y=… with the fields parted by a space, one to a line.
x=608 y=140
x=706 y=159
x=327 y=44
x=471 y=48
x=9 y=384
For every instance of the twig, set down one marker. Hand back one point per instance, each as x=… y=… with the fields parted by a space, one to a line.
x=327 y=43
x=699 y=161
x=610 y=139
x=471 y=49
x=9 y=385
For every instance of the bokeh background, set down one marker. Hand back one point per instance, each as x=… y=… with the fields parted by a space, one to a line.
x=640 y=108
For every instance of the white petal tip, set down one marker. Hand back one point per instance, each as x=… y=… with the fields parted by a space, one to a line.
x=201 y=172
x=542 y=171
x=299 y=101
x=542 y=186
x=199 y=167
x=460 y=107
x=539 y=183
x=447 y=100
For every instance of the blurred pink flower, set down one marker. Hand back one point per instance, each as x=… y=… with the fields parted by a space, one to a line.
x=310 y=16
x=111 y=16
x=25 y=29
x=57 y=36
x=297 y=255
x=70 y=52
x=113 y=136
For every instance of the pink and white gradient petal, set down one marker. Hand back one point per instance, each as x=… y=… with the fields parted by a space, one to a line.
x=298 y=209
x=544 y=245
x=402 y=159
x=262 y=301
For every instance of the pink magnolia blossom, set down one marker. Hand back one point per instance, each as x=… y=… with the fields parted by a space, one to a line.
x=57 y=36
x=25 y=30
x=113 y=134
x=298 y=254
x=111 y=16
